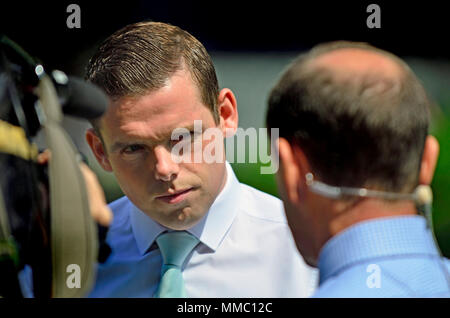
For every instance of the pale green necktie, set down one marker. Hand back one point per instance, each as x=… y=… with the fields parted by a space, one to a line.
x=175 y=247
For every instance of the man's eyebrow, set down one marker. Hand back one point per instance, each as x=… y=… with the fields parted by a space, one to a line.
x=118 y=145
x=189 y=127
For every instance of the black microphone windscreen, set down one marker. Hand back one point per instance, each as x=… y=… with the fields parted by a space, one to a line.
x=84 y=100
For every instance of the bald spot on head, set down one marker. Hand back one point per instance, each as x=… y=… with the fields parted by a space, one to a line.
x=348 y=62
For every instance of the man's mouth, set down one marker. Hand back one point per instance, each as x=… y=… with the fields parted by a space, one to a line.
x=176 y=197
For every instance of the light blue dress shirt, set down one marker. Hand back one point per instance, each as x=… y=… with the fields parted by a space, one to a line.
x=245 y=250
x=386 y=257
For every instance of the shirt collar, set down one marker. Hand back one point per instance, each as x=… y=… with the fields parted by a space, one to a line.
x=373 y=239
x=210 y=230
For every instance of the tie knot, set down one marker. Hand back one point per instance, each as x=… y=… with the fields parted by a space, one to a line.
x=176 y=246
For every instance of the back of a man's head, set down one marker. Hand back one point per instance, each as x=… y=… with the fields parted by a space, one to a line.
x=359 y=114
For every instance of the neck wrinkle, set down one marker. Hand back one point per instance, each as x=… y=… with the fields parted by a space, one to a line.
x=344 y=215
x=367 y=209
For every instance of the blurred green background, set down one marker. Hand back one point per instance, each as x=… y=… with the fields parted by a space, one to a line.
x=251 y=75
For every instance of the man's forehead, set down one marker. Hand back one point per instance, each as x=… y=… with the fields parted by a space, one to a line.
x=179 y=95
x=152 y=125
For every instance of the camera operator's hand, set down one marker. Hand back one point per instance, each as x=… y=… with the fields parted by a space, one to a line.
x=97 y=203
x=99 y=209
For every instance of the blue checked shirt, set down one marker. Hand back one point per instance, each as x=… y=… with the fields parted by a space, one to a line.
x=386 y=257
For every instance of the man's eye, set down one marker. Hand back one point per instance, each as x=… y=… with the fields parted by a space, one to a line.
x=132 y=149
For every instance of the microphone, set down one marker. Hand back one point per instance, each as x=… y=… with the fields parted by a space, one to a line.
x=78 y=97
x=422 y=195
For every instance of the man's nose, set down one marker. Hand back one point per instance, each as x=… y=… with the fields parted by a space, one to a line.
x=165 y=168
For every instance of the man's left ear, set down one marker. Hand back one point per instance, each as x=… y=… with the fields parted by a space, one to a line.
x=228 y=114
x=429 y=160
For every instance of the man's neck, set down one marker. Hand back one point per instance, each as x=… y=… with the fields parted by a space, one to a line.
x=346 y=215
x=342 y=215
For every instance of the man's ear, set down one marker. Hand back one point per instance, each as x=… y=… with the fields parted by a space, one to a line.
x=227 y=107
x=97 y=148
x=292 y=170
x=429 y=160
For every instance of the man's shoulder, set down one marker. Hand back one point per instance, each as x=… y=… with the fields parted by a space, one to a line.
x=392 y=278
x=120 y=234
x=357 y=282
x=119 y=203
x=121 y=210
x=261 y=205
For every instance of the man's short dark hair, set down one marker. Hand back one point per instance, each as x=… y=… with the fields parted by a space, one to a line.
x=140 y=57
x=351 y=135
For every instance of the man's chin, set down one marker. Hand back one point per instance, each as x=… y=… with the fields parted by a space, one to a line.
x=311 y=261
x=181 y=219
x=307 y=254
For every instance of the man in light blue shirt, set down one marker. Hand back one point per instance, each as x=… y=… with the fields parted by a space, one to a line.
x=240 y=255
x=356 y=162
x=162 y=82
x=385 y=257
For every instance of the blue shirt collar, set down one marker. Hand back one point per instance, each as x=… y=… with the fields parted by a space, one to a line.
x=210 y=230
x=367 y=240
